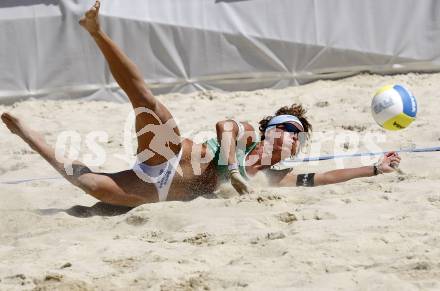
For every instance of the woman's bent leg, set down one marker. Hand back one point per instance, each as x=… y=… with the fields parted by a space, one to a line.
x=114 y=189
x=161 y=137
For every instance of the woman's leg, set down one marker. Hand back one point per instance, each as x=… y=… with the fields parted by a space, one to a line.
x=161 y=141
x=117 y=189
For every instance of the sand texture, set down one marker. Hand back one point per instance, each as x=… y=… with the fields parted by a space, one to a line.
x=378 y=233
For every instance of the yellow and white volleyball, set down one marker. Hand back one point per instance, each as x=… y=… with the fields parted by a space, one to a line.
x=394 y=107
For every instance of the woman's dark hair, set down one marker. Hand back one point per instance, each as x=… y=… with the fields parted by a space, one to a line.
x=296 y=110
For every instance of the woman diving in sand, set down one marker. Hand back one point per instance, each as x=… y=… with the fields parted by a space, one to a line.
x=173 y=168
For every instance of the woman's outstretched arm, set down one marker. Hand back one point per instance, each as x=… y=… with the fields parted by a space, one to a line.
x=387 y=164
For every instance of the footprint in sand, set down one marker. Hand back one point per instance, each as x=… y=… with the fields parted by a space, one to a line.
x=136 y=220
x=197 y=281
x=434 y=199
x=275 y=235
x=123 y=263
x=287 y=217
x=198 y=239
x=316 y=215
x=18 y=279
x=59 y=282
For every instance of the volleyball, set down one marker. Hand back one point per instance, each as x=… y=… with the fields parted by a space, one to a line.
x=394 y=107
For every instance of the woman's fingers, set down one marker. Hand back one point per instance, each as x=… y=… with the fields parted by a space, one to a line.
x=392 y=156
x=394 y=162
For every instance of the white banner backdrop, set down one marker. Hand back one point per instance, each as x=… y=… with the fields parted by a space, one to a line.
x=186 y=45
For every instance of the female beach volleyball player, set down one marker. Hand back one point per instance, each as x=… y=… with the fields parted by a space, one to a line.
x=171 y=168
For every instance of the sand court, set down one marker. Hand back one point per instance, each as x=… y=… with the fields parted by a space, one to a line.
x=369 y=233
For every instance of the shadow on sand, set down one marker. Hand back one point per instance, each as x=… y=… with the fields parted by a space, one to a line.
x=99 y=209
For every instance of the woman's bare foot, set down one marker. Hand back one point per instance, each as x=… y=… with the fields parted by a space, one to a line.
x=16 y=126
x=90 y=21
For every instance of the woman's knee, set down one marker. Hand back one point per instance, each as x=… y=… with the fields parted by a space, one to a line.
x=145 y=99
x=103 y=194
x=108 y=193
x=88 y=183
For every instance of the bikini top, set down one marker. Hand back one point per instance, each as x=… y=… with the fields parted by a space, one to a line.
x=241 y=154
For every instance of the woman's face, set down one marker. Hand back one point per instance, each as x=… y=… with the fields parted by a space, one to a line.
x=285 y=138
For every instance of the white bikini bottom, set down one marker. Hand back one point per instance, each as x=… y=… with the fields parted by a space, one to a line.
x=160 y=175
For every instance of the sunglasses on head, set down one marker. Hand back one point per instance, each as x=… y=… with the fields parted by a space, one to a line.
x=289 y=127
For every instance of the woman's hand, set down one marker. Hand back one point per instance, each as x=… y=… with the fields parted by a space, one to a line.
x=238 y=182
x=389 y=163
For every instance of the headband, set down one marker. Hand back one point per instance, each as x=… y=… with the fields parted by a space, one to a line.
x=279 y=119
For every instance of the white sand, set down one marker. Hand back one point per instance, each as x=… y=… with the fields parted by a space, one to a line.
x=379 y=233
